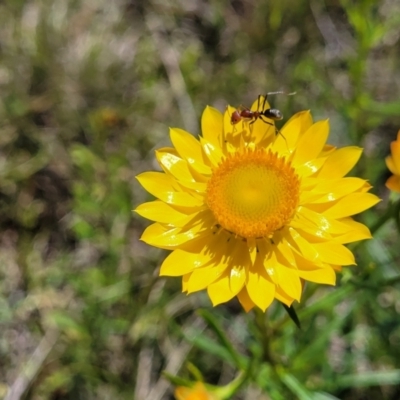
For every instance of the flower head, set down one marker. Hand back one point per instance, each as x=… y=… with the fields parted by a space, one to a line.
x=251 y=213
x=393 y=163
x=197 y=392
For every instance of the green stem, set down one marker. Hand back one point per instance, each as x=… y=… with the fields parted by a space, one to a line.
x=265 y=335
x=228 y=391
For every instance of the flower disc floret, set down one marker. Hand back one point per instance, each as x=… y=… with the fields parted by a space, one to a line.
x=253 y=193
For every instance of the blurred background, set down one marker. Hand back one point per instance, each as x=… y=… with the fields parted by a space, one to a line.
x=88 y=90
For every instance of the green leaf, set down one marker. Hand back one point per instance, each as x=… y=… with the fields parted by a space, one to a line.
x=216 y=327
x=373 y=378
x=324 y=396
x=209 y=346
x=295 y=386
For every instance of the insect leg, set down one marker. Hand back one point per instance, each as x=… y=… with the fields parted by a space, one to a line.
x=265 y=121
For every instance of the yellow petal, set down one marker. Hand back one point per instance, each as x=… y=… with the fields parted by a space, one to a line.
x=161 y=186
x=194 y=188
x=355 y=232
x=311 y=143
x=201 y=278
x=283 y=297
x=262 y=130
x=180 y=170
x=245 y=300
x=395 y=150
x=181 y=262
x=190 y=149
x=155 y=182
x=159 y=211
x=216 y=250
x=197 y=392
x=391 y=165
x=279 y=145
x=325 y=276
x=352 y=204
x=284 y=253
x=268 y=257
x=298 y=243
x=366 y=187
x=220 y=291
x=237 y=278
x=327 y=150
x=289 y=282
x=212 y=126
x=334 y=253
x=260 y=288
x=334 y=189
x=345 y=230
x=309 y=183
x=340 y=162
x=167 y=238
x=229 y=128
x=313 y=223
x=310 y=167
x=252 y=245
x=154 y=230
x=187 y=146
x=181 y=199
x=270 y=265
x=173 y=164
x=393 y=183
x=296 y=125
x=185 y=279
x=238 y=262
x=212 y=152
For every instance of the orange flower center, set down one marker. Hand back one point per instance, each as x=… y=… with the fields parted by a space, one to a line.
x=253 y=193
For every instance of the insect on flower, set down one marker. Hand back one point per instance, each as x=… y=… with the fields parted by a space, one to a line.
x=261 y=113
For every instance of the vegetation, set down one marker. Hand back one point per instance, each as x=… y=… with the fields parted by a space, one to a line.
x=88 y=90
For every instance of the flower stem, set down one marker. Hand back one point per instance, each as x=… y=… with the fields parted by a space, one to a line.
x=265 y=336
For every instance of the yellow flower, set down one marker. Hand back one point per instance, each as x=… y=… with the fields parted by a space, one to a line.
x=393 y=163
x=197 y=392
x=251 y=213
